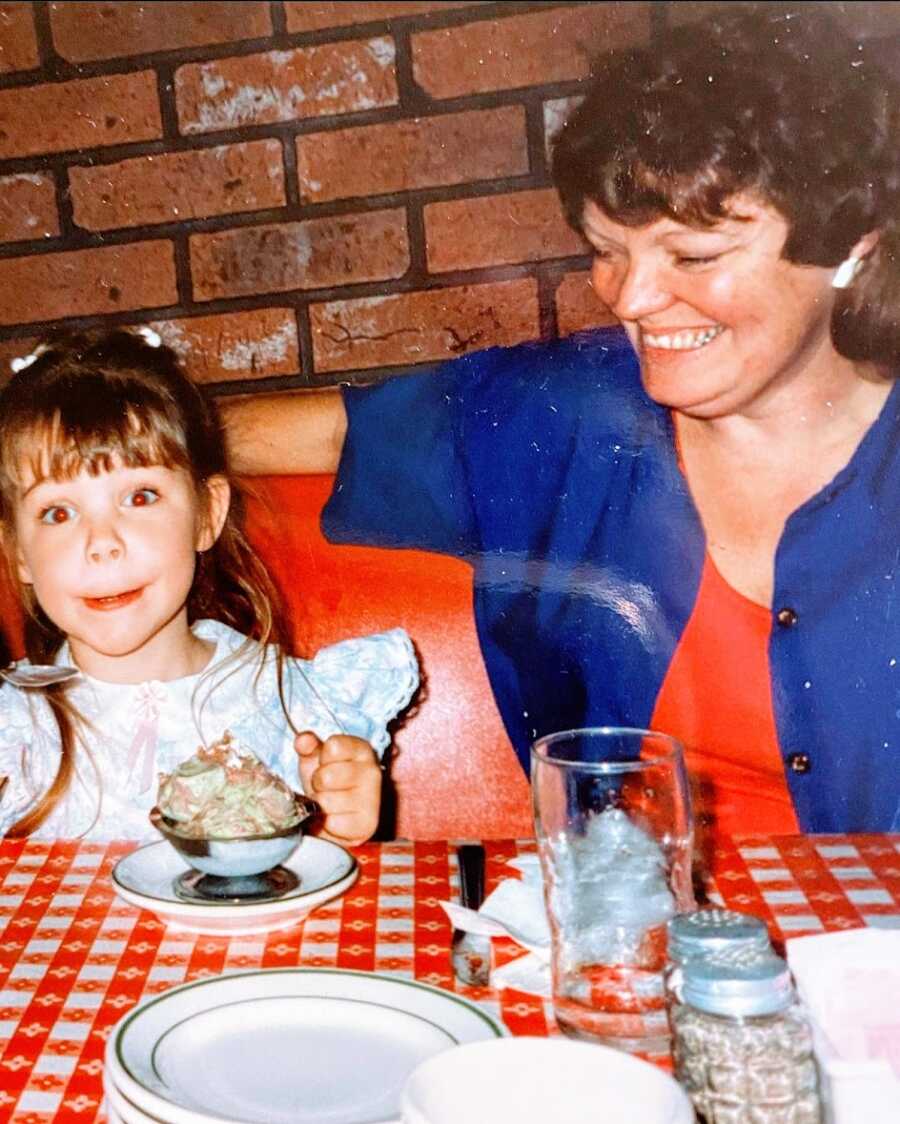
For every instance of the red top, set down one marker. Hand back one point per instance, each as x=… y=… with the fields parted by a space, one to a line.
x=717 y=700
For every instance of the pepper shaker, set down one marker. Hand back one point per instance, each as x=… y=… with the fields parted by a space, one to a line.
x=742 y=1044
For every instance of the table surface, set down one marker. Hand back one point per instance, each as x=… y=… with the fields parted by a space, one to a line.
x=74 y=957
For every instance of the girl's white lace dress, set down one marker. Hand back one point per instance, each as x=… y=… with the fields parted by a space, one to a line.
x=135 y=731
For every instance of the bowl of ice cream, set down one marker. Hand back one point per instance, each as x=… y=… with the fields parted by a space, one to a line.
x=229 y=818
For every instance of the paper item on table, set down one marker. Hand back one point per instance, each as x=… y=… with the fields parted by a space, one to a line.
x=515 y=909
x=850 y=984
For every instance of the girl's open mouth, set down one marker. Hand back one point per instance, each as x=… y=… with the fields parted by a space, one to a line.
x=116 y=601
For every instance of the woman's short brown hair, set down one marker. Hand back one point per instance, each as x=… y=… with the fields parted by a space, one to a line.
x=771 y=101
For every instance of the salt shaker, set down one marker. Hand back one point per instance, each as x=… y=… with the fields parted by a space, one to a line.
x=743 y=1047
x=707 y=932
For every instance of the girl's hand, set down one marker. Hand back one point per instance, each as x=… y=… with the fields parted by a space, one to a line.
x=344 y=776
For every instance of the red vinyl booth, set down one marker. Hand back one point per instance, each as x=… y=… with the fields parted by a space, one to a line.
x=453 y=771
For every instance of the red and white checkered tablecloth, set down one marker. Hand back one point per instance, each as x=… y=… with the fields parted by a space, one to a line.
x=74 y=958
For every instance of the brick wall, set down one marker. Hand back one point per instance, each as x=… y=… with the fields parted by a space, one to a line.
x=300 y=193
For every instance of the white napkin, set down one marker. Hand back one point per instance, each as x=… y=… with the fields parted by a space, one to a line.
x=515 y=909
x=849 y=982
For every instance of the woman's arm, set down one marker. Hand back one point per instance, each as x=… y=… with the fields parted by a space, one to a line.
x=298 y=432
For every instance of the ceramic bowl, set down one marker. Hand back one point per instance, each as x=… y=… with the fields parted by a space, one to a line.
x=537 y=1080
x=239 y=856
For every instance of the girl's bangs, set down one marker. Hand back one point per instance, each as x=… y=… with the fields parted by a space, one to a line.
x=60 y=448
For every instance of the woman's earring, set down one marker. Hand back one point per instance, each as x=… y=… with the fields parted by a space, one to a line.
x=846 y=271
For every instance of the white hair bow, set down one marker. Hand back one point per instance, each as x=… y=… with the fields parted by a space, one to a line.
x=149 y=336
x=23 y=361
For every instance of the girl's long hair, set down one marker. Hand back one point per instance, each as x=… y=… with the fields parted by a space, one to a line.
x=93 y=400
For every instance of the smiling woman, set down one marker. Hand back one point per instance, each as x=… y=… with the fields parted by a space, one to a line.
x=722 y=323
x=694 y=522
x=116 y=520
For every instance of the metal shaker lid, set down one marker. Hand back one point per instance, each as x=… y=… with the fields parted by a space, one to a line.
x=738 y=982
x=709 y=931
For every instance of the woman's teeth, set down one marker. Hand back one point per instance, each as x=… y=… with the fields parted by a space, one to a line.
x=686 y=340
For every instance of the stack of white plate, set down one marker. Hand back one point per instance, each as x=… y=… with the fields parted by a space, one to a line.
x=298 y=1045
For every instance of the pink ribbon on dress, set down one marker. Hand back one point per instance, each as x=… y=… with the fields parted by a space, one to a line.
x=145 y=738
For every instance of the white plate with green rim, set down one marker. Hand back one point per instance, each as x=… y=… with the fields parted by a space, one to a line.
x=120 y=1110
x=286 y=1046
x=145 y=879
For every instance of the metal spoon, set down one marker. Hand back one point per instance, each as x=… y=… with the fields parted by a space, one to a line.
x=37 y=675
x=312 y=687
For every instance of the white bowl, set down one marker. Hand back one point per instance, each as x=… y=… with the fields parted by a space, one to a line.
x=541 y=1081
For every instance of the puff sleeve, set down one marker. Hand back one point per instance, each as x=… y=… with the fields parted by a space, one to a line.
x=354 y=687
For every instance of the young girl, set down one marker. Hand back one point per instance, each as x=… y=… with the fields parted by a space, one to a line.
x=119 y=532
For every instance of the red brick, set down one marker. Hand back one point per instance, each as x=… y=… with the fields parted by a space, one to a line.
x=237 y=345
x=27 y=208
x=498 y=230
x=300 y=255
x=286 y=85
x=179 y=186
x=526 y=50
x=418 y=327
x=84 y=31
x=18 y=44
x=872 y=19
x=86 y=113
x=305 y=16
x=690 y=11
x=577 y=305
x=419 y=152
x=85 y=282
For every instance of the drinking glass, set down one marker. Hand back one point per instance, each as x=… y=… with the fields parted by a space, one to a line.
x=615 y=834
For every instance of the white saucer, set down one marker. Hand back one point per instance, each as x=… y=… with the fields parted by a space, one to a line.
x=144 y=879
x=283 y=1046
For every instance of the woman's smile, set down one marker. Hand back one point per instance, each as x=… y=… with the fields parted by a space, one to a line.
x=679 y=339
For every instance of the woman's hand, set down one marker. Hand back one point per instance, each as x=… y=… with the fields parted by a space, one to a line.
x=343 y=775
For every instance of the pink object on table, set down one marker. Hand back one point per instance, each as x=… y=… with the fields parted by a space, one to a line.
x=850 y=983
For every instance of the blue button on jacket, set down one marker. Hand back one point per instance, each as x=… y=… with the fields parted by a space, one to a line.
x=548 y=468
